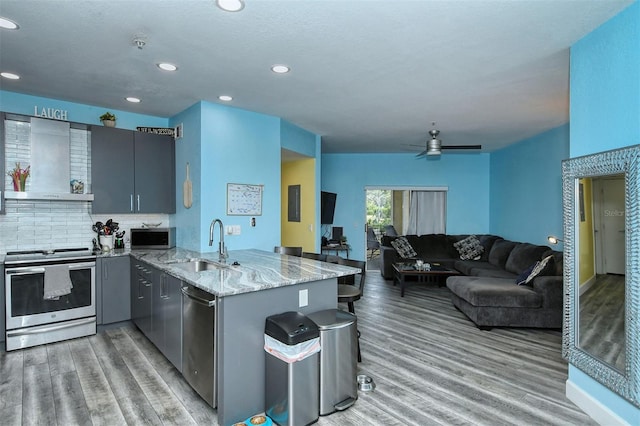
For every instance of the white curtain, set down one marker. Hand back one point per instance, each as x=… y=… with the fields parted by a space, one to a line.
x=427 y=212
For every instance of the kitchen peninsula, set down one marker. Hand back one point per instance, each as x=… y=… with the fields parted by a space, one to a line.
x=249 y=287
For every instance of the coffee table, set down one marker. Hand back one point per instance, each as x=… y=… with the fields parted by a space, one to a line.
x=404 y=270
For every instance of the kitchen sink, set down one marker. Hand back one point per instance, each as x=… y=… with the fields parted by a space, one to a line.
x=199 y=265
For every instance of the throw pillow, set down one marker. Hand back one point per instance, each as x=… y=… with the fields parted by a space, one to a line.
x=469 y=248
x=543 y=267
x=404 y=249
x=522 y=278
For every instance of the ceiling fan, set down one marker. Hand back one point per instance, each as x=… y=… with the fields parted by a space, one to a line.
x=434 y=145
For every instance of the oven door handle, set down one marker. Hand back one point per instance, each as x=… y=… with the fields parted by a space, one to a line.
x=54 y=327
x=83 y=265
x=24 y=271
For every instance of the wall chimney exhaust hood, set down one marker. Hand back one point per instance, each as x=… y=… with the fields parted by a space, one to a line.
x=50 y=171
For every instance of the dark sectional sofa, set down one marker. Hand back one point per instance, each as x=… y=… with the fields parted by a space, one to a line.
x=487 y=291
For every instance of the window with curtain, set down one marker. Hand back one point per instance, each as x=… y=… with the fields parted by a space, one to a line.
x=427 y=212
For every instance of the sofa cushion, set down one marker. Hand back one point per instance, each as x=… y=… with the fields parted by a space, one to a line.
x=496 y=292
x=404 y=249
x=557 y=260
x=470 y=267
x=487 y=242
x=500 y=252
x=469 y=248
x=432 y=246
x=495 y=273
x=523 y=256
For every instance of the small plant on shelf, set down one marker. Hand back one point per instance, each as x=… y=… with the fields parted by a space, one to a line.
x=108 y=119
x=343 y=240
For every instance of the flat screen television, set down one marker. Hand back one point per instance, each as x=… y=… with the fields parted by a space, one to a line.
x=327 y=207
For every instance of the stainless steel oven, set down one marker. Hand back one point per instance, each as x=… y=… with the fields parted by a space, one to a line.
x=50 y=296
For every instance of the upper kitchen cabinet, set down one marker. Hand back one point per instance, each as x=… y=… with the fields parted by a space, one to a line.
x=112 y=174
x=132 y=172
x=155 y=173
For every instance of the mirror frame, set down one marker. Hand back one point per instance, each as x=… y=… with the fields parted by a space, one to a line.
x=627 y=161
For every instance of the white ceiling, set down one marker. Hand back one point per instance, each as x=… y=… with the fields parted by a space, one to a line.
x=368 y=76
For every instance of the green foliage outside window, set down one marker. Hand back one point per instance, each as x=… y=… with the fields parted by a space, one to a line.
x=378 y=208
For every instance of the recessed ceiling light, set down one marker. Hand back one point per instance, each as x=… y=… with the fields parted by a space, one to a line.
x=280 y=69
x=10 y=76
x=8 y=24
x=230 y=5
x=167 y=66
x=225 y=98
x=133 y=100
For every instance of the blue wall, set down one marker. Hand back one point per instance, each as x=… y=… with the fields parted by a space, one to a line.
x=526 y=187
x=466 y=176
x=188 y=149
x=239 y=146
x=605 y=114
x=605 y=86
x=78 y=113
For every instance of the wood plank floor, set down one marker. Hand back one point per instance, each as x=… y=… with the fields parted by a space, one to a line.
x=602 y=320
x=431 y=366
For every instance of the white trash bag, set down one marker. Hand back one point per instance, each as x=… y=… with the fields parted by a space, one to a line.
x=291 y=353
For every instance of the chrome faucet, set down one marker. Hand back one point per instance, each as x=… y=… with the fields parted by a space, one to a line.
x=221 y=248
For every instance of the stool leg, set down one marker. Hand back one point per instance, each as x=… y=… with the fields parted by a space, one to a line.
x=359 y=354
x=351 y=308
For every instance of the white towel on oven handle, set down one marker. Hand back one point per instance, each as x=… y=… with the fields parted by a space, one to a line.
x=57 y=282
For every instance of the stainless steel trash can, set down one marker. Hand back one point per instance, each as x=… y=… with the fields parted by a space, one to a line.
x=291 y=386
x=338 y=359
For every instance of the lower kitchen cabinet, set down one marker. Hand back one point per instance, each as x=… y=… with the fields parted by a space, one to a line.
x=156 y=309
x=114 y=277
x=141 y=294
x=2 y=307
x=167 y=317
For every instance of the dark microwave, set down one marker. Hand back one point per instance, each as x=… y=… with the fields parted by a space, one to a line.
x=153 y=238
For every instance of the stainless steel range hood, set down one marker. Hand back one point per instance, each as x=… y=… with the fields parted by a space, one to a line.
x=50 y=171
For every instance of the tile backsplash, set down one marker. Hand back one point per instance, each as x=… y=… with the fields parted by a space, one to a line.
x=44 y=224
x=30 y=225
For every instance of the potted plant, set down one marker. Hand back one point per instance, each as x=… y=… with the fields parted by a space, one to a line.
x=108 y=119
x=343 y=240
x=19 y=177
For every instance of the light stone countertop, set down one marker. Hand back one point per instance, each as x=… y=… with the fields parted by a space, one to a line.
x=258 y=269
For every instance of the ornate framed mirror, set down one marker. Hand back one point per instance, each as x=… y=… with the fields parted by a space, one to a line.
x=601 y=210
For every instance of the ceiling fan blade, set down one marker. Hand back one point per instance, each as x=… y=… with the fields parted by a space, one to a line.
x=461 y=147
x=422 y=154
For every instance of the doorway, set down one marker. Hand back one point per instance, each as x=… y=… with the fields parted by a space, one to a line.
x=609 y=224
x=401 y=211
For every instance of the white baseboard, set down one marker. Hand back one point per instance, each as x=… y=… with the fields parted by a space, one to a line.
x=592 y=407
x=587 y=285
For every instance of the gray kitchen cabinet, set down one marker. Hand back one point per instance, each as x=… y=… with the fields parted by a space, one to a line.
x=141 y=294
x=115 y=284
x=156 y=309
x=2 y=307
x=112 y=174
x=155 y=173
x=132 y=172
x=167 y=317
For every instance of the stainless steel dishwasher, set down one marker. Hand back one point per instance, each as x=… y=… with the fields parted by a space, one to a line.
x=198 y=342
